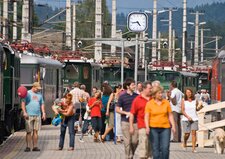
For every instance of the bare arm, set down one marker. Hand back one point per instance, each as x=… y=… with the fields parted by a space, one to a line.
x=131 y=121
x=23 y=107
x=121 y=111
x=108 y=104
x=43 y=112
x=69 y=111
x=172 y=122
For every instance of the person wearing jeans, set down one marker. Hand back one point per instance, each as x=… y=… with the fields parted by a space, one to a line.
x=69 y=121
x=159 y=121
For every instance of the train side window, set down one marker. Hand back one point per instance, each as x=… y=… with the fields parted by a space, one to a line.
x=26 y=75
x=85 y=72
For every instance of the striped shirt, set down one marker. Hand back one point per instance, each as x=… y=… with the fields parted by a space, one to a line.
x=125 y=101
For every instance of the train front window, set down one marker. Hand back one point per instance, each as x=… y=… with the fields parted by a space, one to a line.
x=153 y=77
x=72 y=72
x=171 y=76
x=112 y=74
x=161 y=76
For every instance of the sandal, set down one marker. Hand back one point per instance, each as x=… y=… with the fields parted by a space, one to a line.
x=27 y=149
x=102 y=140
x=35 y=149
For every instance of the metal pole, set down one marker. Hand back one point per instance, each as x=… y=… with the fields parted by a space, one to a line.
x=98 y=29
x=159 y=47
x=174 y=44
x=15 y=20
x=154 y=30
x=113 y=31
x=196 y=60
x=5 y=19
x=68 y=24
x=146 y=70
x=142 y=50
x=136 y=60
x=184 y=34
x=202 y=42
x=122 y=62
x=25 y=35
x=74 y=27
x=170 y=36
x=217 y=45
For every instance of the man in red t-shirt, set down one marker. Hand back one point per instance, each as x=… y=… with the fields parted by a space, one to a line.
x=138 y=111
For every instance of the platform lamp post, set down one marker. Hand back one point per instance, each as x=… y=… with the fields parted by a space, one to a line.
x=137 y=22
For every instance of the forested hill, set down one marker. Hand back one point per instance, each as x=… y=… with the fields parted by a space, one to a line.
x=213 y=16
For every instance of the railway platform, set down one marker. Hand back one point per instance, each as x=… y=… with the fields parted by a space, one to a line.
x=13 y=148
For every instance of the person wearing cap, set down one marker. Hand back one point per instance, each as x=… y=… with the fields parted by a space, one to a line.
x=33 y=109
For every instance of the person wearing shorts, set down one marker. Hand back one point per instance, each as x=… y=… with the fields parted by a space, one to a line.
x=189 y=120
x=33 y=108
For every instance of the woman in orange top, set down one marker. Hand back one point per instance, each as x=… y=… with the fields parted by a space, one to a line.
x=158 y=122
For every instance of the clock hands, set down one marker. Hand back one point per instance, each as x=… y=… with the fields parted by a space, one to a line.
x=137 y=23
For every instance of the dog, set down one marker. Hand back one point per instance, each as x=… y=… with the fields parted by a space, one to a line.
x=219 y=140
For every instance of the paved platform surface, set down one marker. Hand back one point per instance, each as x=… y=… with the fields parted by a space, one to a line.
x=13 y=148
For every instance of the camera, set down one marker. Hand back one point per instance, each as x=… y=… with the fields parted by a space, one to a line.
x=79 y=44
x=165 y=44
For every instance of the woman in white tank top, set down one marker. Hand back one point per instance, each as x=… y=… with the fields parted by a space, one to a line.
x=190 y=118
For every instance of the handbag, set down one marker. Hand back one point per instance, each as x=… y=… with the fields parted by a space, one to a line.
x=112 y=106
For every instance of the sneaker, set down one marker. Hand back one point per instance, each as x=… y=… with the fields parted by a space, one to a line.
x=27 y=149
x=81 y=140
x=35 y=149
x=194 y=151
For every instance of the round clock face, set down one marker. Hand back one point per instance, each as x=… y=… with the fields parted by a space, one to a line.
x=137 y=22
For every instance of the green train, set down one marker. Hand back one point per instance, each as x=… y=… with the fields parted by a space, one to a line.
x=184 y=79
x=112 y=74
x=10 y=112
x=84 y=72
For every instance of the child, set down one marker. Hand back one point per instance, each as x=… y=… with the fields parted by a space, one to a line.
x=87 y=123
x=59 y=106
x=95 y=105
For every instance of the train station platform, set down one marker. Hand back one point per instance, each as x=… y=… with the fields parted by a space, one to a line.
x=13 y=148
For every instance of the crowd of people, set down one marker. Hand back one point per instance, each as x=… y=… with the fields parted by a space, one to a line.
x=142 y=116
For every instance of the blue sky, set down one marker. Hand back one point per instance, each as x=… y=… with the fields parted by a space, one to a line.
x=132 y=5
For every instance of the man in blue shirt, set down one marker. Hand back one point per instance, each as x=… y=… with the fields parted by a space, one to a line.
x=33 y=108
x=125 y=102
